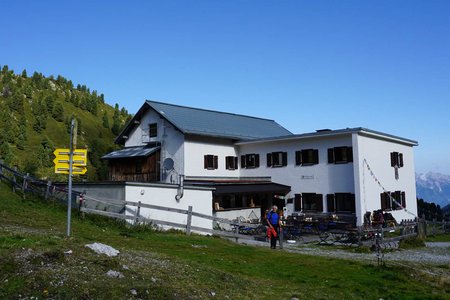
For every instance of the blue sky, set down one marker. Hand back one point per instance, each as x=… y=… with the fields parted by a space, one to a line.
x=384 y=65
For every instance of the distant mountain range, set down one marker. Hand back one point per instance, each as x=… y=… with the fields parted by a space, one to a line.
x=433 y=187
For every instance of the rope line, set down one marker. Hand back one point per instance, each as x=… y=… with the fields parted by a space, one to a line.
x=384 y=190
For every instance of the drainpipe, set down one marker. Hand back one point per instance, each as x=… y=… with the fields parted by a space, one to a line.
x=180 y=188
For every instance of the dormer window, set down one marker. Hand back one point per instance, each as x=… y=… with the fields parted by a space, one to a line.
x=153 y=130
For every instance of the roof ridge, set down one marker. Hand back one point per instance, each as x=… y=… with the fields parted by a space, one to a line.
x=210 y=110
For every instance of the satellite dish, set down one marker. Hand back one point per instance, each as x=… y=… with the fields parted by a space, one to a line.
x=168 y=164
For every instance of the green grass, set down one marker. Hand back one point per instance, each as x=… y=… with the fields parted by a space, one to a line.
x=174 y=266
x=439 y=238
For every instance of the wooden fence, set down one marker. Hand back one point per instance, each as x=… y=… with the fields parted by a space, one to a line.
x=25 y=184
x=188 y=227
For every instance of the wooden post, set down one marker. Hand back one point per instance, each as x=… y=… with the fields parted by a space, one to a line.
x=138 y=212
x=24 y=184
x=189 y=220
x=422 y=228
x=14 y=180
x=236 y=229
x=434 y=227
x=83 y=205
x=47 y=190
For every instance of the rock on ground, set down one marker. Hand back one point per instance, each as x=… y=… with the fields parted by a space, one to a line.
x=103 y=249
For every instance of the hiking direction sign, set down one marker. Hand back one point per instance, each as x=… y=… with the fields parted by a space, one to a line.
x=62 y=161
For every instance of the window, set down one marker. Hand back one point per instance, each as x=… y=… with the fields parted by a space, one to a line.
x=396 y=162
x=231 y=163
x=307 y=157
x=340 y=155
x=308 y=202
x=277 y=159
x=210 y=162
x=393 y=201
x=312 y=202
x=341 y=202
x=153 y=130
x=250 y=161
x=396 y=159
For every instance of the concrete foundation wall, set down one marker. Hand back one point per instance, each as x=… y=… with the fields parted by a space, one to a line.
x=164 y=195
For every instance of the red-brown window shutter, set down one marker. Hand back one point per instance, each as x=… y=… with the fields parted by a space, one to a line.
x=284 y=159
x=216 y=162
x=298 y=158
x=269 y=159
x=330 y=155
x=315 y=156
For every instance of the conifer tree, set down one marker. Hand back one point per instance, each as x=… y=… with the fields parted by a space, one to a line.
x=15 y=103
x=116 y=121
x=21 y=142
x=50 y=103
x=5 y=153
x=105 y=120
x=58 y=112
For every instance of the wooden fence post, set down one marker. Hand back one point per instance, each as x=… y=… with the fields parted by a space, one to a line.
x=237 y=229
x=14 y=180
x=25 y=184
x=138 y=212
x=434 y=226
x=189 y=220
x=47 y=190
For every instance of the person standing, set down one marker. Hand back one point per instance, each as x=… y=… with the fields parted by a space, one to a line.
x=274 y=222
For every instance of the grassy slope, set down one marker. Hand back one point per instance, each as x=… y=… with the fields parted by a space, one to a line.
x=57 y=133
x=173 y=266
x=92 y=133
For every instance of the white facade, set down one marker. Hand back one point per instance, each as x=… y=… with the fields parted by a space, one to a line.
x=322 y=178
x=171 y=139
x=376 y=153
x=188 y=152
x=196 y=147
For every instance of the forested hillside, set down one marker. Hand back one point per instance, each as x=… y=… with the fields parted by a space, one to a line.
x=35 y=114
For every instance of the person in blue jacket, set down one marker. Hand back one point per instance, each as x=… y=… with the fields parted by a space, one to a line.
x=274 y=221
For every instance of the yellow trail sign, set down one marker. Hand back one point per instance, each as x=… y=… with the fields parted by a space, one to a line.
x=65 y=170
x=62 y=161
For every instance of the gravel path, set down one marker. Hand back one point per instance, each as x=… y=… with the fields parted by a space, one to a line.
x=435 y=253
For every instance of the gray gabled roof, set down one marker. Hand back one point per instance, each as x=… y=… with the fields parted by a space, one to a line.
x=204 y=122
x=131 y=152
